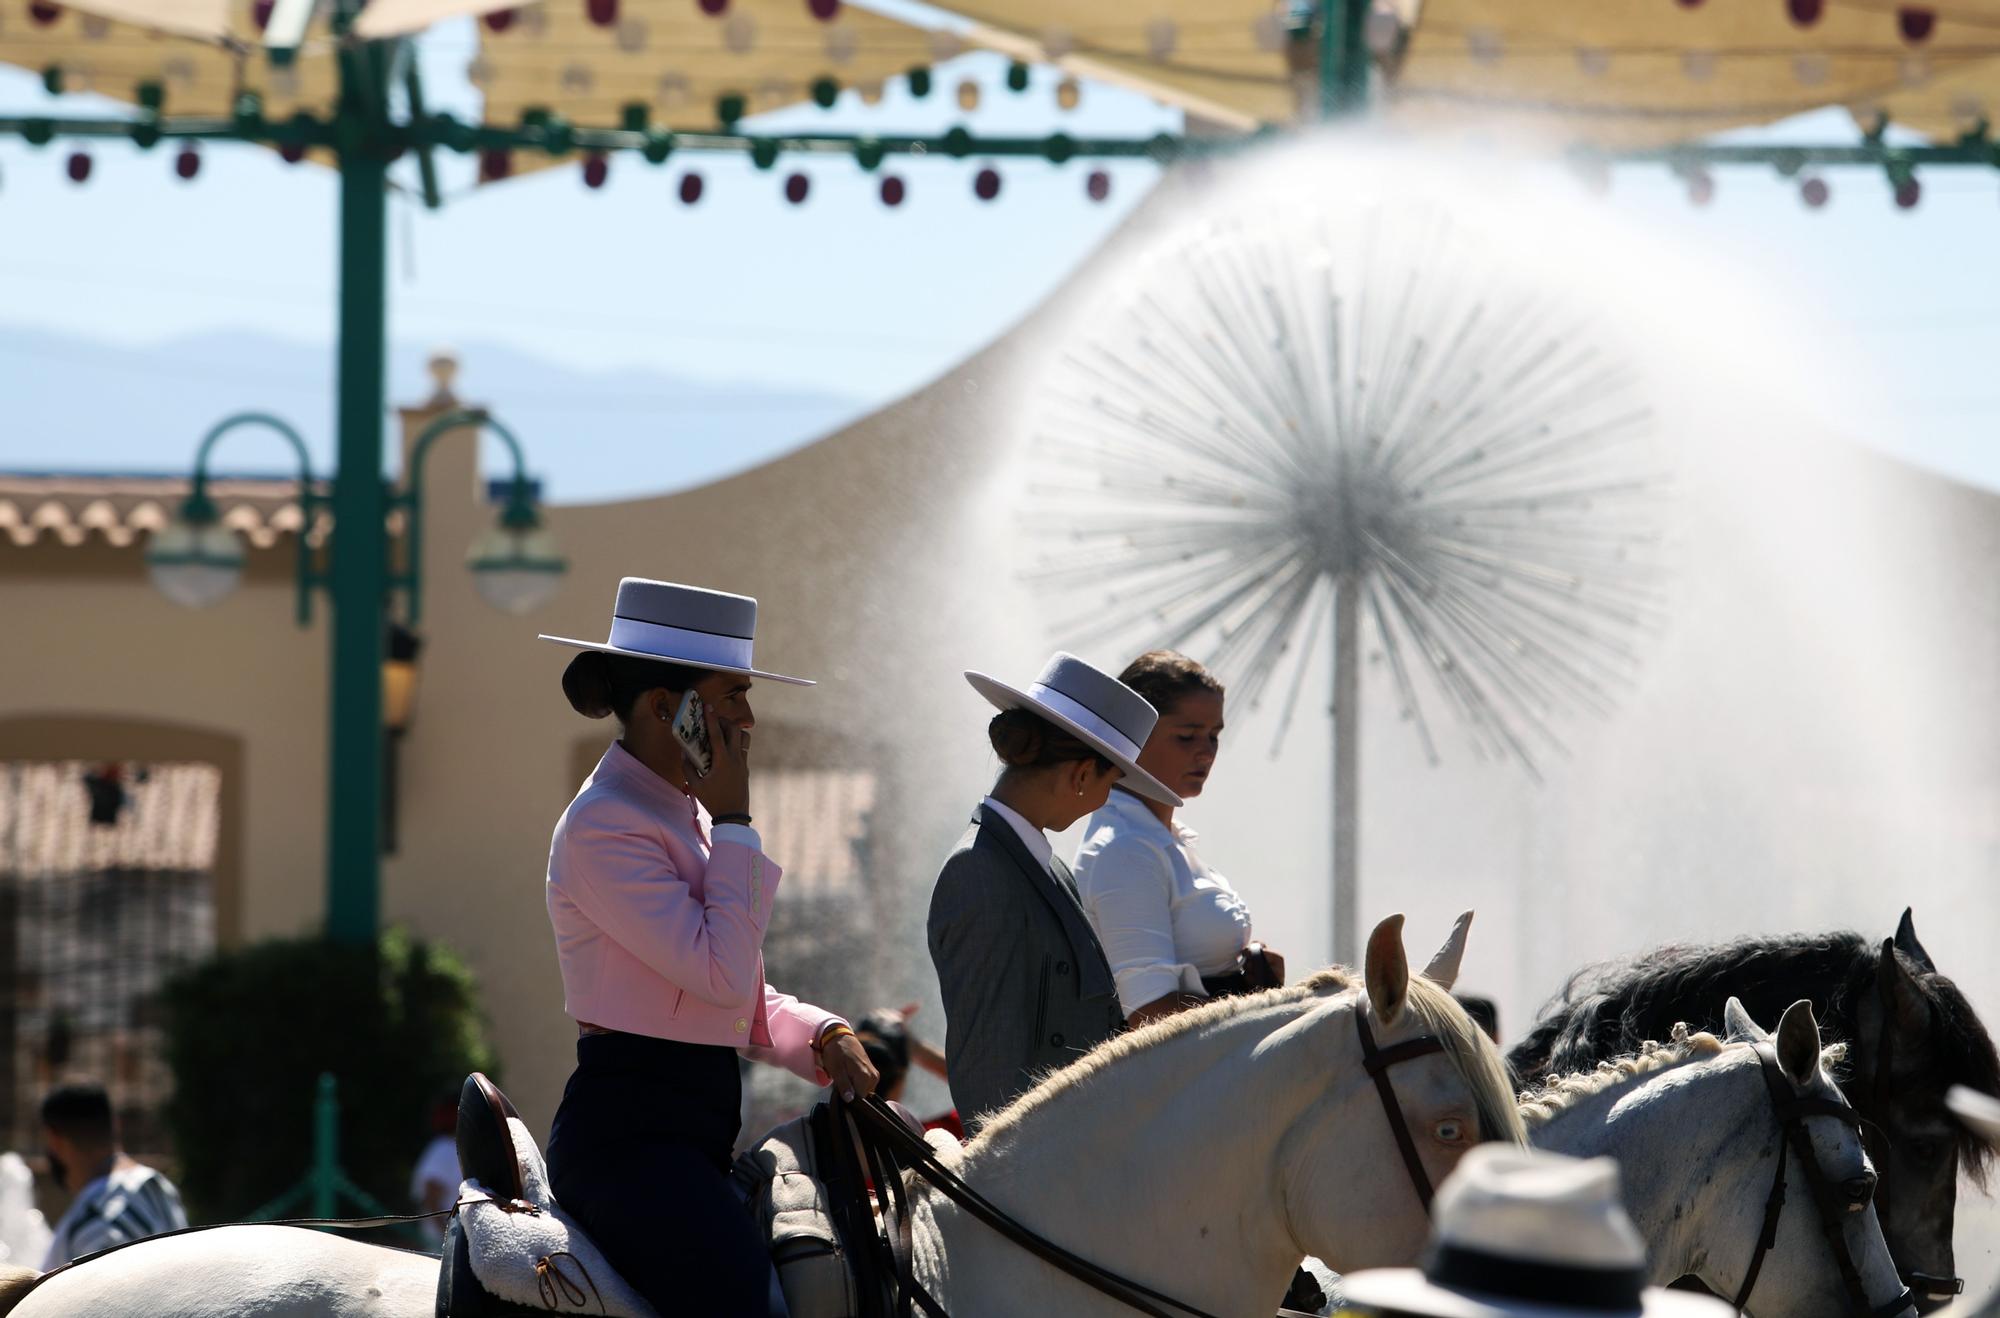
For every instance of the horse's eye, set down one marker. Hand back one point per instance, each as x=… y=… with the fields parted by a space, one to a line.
x=1923 y=1148
x=1449 y=1131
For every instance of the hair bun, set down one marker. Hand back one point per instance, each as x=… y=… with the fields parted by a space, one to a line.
x=587 y=683
x=1017 y=737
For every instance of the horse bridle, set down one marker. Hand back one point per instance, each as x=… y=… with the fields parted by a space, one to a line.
x=886 y=1143
x=1874 y=1136
x=1792 y=1109
x=1378 y=1061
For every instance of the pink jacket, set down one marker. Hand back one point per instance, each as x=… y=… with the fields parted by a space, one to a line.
x=661 y=932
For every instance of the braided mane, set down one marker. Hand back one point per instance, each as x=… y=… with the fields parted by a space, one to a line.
x=1559 y=1093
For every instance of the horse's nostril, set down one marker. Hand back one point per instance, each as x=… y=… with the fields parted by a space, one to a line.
x=1860 y=1191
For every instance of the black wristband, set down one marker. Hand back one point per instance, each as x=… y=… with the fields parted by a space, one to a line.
x=730 y=819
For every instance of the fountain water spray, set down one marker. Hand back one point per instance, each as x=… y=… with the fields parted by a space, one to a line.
x=1303 y=415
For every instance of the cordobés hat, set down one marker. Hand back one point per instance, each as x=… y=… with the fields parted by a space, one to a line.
x=1091 y=704
x=1526 y=1234
x=682 y=625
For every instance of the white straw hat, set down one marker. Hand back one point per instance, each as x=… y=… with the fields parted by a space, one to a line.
x=682 y=625
x=1092 y=705
x=1526 y=1234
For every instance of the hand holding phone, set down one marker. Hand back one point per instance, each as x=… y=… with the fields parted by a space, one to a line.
x=725 y=787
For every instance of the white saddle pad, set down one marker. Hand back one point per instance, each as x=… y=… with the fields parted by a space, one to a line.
x=541 y=1259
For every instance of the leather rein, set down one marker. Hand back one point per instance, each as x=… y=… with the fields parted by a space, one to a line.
x=1792 y=1110
x=887 y=1145
x=1875 y=1136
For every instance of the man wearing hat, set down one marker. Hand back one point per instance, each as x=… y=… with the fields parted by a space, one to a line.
x=1525 y=1234
x=659 y=893
x=1025 y=983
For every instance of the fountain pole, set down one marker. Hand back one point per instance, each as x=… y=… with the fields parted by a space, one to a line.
x=1346 y=761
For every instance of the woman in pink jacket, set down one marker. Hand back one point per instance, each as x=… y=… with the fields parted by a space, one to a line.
x=659 y=892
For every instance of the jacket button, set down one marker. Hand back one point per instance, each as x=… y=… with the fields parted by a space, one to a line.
x=1055 y=1040
x=1062 y=967
x=742 y=1026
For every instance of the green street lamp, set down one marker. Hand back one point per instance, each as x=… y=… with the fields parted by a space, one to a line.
x=197 y=561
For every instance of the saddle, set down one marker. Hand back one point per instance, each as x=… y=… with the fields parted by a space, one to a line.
x=510 y=1250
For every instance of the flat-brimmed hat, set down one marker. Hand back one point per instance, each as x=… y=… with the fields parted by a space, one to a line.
x=1090 y=704
x=682 y=625
x=1980 y=1112
x=1525 y=1234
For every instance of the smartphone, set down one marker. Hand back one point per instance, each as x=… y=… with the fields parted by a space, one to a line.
x=691 y=731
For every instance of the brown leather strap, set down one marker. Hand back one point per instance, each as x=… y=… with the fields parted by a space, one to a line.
x=1378 y=1061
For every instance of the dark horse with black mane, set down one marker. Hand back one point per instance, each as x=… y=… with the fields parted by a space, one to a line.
x=1911 y=1036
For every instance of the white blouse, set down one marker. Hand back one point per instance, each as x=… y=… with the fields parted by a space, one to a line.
x=1165 y=919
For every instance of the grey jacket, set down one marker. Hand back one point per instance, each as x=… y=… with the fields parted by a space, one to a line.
x=1026 y=986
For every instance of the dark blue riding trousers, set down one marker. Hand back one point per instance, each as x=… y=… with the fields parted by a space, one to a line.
x=639 y=1155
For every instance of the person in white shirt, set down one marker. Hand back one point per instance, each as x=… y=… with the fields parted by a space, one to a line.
x=117 y=1199
x=1175 y=931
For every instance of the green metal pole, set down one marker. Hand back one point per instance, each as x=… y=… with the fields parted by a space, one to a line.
x=358 y=576
x=1343 y=57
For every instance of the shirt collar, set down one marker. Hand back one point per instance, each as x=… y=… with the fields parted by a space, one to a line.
x=628 y=768
x=1037 y=842
x=1134 y=812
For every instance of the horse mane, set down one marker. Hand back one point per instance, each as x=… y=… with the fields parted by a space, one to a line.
x=1470 y=1052
x=1558 y=1094
x=1607 y=1009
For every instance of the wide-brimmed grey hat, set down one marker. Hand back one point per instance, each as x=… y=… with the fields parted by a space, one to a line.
x=1093 y=705
x=682 y=625
x=1524 y=1234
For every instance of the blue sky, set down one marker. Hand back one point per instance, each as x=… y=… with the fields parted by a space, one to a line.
x=843 y=296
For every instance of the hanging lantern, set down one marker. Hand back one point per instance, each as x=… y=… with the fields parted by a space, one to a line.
x=292 y=152
x=494 y=165
x=1805 y=12
x=601 y=12
x=1814 y=192
x=1916 y=25
x=188 y=163
x=739 y=34
x=78 y=167
x=1698 y=65
x=893 y=191
x=1098 y=186
x=260 y=13
x=986 y=184
x=713 y=8
x=498 y=21
x=1069 y=94
x=796 y=188
x=1701 y=187
x=690 y=188
x=968 y=95
x=824 y=10
x=1908 y=193
x=1161 y=38
x=596 y=169
x=42 y=13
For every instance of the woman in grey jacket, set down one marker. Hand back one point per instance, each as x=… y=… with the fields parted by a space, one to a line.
x=1025 y=983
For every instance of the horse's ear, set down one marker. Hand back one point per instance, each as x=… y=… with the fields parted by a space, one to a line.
x=1386 y=971
x=1798 y=1043
x=1906 y=943
x=1443 y=969
x=1737 y=1027
x=1912 y=1010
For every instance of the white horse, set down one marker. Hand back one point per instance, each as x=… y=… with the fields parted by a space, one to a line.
x=1203 y=1156
x=1695 y=1131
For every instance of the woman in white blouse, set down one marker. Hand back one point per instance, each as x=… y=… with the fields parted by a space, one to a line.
x=1174 y=930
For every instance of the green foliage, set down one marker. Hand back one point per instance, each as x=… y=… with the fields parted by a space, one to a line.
x=249 y=1032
